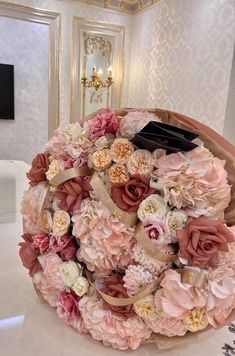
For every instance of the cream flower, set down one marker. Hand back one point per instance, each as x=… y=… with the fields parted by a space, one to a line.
x=176 y=219
x=101 y=143
x=45 y=220
x=118 y=173
x=101 y=159
x=140 y=162
x=145 y=307
x=121 y=150
x=55 y=167
x=153 y=205
x=60 y=223
x=79 y=142
x=81 y=286
x=69 y=272
x=196 y=320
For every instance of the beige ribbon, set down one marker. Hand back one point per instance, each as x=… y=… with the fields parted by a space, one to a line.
x=69 y=174
x=195 y=278
x=103 y=195
x=121 y=302
x=150 y=247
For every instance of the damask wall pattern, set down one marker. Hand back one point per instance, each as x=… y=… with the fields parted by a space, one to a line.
x=181 y=58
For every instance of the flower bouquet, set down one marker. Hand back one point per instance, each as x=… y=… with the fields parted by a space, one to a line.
x=128 y=227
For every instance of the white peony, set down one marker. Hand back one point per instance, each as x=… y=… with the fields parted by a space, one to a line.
x=69 y=272
x=153 y=205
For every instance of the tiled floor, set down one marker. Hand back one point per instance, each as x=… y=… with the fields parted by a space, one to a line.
x=31 y=328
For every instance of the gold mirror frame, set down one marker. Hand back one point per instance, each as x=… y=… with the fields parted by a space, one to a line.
x=81 y=25
x=52 y=20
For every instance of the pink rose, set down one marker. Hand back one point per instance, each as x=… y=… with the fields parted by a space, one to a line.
x=105 y=121
x=128 y=196
x=65 y=245
x=202 y=239
x=29 y=255
x=157 y=230
x=37 y=173
x=40 y=242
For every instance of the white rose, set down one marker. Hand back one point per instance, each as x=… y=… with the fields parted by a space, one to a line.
x=176 y=219
x=153 y=205
x=69 y=272
x=55 y=167
x=81 y=286
x=60 y=223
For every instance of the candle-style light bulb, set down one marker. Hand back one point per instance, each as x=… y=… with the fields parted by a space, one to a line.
x=110 y=72
x=100 y=72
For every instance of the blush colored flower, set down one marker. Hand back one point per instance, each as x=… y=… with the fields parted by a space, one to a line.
x=49 y=293
x=134 y=122
x=40 y=243
x=121 y=150
x=153 y=205
x=167 y=326
x=60 y=223
x=71 y=193
x=101 y=143
x=51 y=271
x=29 y=254
x=202 y=239
x=105 y=121
x=118 y=173
x=45 y=220
x=37 y=173
x=145 y=307
x=140 y=162
x=157 y=230
x=128 y=196
x=136 y=279
x=196 y=320
x=176 y=219
x=116 y=331
x=101 y=159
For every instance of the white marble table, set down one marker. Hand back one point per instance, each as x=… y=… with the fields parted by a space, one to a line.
x=31 y=328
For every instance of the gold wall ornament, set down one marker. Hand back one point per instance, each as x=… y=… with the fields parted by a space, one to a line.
x=52 y=20
x=122 y=6
x=93 y=42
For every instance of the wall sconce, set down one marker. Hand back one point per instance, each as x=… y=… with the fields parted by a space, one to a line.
x=95 y=81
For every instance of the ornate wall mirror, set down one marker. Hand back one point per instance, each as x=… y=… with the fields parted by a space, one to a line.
x=97 y=67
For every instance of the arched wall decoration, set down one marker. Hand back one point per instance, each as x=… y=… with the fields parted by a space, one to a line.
x=92 y=42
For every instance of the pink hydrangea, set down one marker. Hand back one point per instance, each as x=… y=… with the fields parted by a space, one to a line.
x=136 y=278
x=67 y=308
x=167 y=326
x=105 y=121
x=105 y=242
x=134 y=122
x=49 y=293
x=51 y=264
x=116 y=331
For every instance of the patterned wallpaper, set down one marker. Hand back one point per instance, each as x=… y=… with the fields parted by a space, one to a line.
x=181 y=58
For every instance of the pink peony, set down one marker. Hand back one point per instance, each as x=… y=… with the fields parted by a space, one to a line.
x=51 y=271
x=116 y=331
x=157 y=230
x=68 y=310
x=40 y=242
x=105 y=121
x=65 y=245
x=176 y=299
x=105 y=242
x=136 y=279
x=29 y=255
x=167 y=326
x=49 y=293
x=134 y=122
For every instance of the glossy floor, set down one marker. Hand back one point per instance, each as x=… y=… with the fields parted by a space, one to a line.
x=29 y=327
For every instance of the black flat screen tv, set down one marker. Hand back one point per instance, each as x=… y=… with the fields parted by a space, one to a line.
x=7 y=110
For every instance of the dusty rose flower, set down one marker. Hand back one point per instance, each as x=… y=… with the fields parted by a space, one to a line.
x=121 y=150
x=149 y=263
x=51 y=271
x=128 y=196
x=71 y=193
x=101 y=159
x=29 y=255
x=167 y=326
x=68 y=310
x=114 y=286
x=105 y=121
x=116 y=331
x=37 y=173
x=140 y=162
x=134 y=122
x=65 y=246
x=118 y=173
x=202 y=239
x=157 y=230
x=60 y=223
x=40 y=243
x=136 y=278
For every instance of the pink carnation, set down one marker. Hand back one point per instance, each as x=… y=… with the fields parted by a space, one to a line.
x=116 y=331
x=40 y=242
x=68 y=311
x=65 y=246
x=105 y=242
x=167 y=326
x=51 y=271
x=105 y=121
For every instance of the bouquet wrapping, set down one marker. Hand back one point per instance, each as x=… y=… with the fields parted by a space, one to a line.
x=129 y=227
